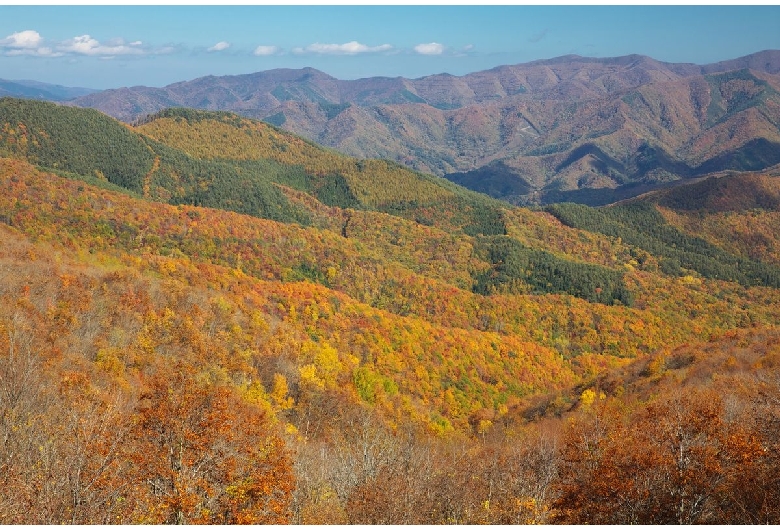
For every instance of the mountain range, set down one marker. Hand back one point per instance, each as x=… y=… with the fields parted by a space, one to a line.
x=207 y=319
x=567 y=129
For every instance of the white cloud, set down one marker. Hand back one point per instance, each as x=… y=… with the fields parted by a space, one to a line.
x=28 y=39
x=40 y=52
x=31 y=43
x=431 y=48
x=86 y=45
x=266 y=50
x=349 y=48
x=28 y=42
x=218 y=47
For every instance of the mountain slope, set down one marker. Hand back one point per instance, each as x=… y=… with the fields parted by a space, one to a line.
x=87 y=142
x=649 y=136
x=395 y=279
x=131 y=330
x=291 y=354
x=199 y=158
x=739 y=213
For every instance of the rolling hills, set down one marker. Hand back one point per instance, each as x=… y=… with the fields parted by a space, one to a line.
x=567 y=129
x=205 y=318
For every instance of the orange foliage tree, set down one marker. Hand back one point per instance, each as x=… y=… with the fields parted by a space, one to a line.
x=206 y=456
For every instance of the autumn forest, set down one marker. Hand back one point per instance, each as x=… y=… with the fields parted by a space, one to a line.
x=207 y=319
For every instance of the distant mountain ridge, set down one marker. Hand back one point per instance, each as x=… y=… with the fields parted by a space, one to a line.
x=590 y=130
x=44 y=91
x=267 y=90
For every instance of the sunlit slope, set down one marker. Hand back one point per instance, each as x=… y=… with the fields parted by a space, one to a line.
x=642 y=224
x=332 y=178
x=213 y=135
x=90 y=144
x=739 y=213
x=422 y=342
x=226 y=162
x=250 y=275
x=223 y=161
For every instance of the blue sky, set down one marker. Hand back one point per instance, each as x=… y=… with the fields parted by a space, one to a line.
x=113 y=46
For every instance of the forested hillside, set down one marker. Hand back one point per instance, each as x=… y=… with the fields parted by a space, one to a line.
x=204 y=319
